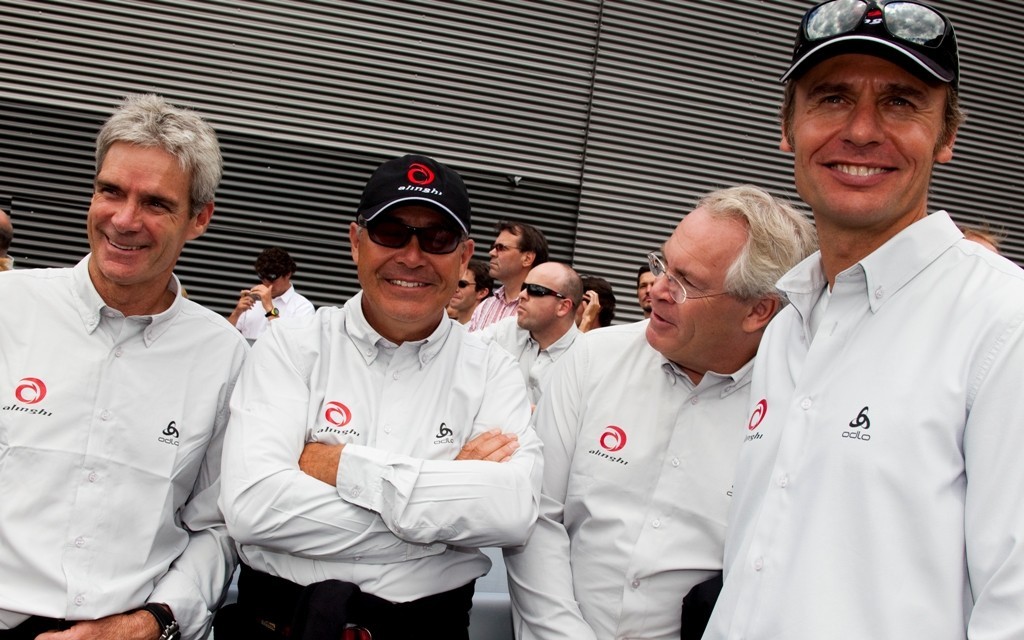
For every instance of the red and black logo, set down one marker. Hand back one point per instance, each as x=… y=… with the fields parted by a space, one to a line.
x=613 y=439
x=337 y=414
x=30 y=391
x=756 y=418
x=420 y=174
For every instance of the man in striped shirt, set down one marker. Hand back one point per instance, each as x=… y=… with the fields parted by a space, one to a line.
x=518 y=248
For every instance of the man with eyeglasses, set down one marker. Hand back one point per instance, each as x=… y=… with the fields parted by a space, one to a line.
x=275 y=293
x=372 y=449
x=641 y=424
x=518 y=248
x=475 y=286
x=544 y=328
x=878 y=487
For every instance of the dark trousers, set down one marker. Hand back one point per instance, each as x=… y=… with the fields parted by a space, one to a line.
x=270 y=608
x=35 y=625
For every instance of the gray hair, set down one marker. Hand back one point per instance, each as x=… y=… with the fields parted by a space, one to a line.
x=778 y=238
x=150 y=121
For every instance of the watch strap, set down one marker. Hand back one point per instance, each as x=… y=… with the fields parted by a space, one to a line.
x=273 y=313
x=169 y=629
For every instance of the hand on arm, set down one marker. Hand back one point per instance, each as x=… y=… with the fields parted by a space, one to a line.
x=321 y=461
x=492 y=445
x=137 y=625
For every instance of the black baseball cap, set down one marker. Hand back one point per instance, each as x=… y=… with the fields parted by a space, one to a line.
x=911 y=34
x=416 y=179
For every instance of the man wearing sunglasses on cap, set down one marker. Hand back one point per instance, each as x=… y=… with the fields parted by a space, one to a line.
x=544 y=327
x=379 y=445
x=878 y=488
x=641 y=423
x=275 y=293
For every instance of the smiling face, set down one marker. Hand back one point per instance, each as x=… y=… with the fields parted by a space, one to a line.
x=865 y=137
x=138 y=223
x=405 y=290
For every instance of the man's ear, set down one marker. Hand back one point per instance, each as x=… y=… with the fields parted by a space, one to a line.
x=945 y=152
x=528 y=261
x=482 y=293
x=784 y=144
x=467 y=253
x=760 y=313
x=198 y=224
x=353 y=238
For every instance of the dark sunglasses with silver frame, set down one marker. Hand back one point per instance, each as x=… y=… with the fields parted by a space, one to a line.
x=394 y=234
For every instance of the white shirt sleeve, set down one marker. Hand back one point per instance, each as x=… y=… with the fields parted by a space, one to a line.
x=386 y=507
x=540 y=575
x=465 y=502
x=993 y=517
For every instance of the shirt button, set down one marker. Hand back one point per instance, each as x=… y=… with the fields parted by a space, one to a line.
x=117 y=352
x=354 y=492
x=783 y=481
x=93 y=476
x=675 y=462
x=879 y=292
x=693 y=400
x=358 y=558
x=105 y=415
x=387 y=429
x=395 y=375
x=79 y=600
x=758 y=564
x=806 y=403
x=656 y=524
x=635 y=584
x=79 y=542
x=369 y=352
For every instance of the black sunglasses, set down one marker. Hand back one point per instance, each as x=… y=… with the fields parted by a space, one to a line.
x=269 y=277
x=539 y=291
x=465 y=283
x=911 y=22
x=395 y=234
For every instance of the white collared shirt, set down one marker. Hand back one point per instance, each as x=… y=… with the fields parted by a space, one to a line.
x=289 y=304
x=638 y=466
x=534 y=362
x=878 y=492
x=110 y=442
x=405 y=518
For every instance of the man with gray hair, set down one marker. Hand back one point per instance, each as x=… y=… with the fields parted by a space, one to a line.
x=114 y=395
x=6 y=237
x=641 y=424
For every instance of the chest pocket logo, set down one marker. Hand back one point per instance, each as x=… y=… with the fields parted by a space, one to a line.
x=444 y=435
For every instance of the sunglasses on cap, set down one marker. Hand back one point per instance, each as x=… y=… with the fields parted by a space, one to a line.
x=909 y=21
x=908 y=26
x=269 y=277
x=395 y=234
x=539 y=291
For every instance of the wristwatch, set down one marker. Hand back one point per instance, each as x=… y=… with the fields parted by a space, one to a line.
x=273 y=313
x=165 y=620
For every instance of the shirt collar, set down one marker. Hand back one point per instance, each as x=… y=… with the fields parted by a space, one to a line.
x=287 y=296
x=724 y=384
x=90 y=304
x=369 y=341
x=883 y=272
x=558 y=347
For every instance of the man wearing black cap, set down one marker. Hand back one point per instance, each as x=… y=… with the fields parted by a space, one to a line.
x=374 y=448
x=878 y=487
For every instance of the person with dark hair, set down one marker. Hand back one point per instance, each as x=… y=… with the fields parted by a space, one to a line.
x=878 y=484
x=644 y=284
x=115 y=393
x=275 y=293
x=6 y=237
x=374 y=448
x=518 y=248
x=597 y=308
x=476 y=285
